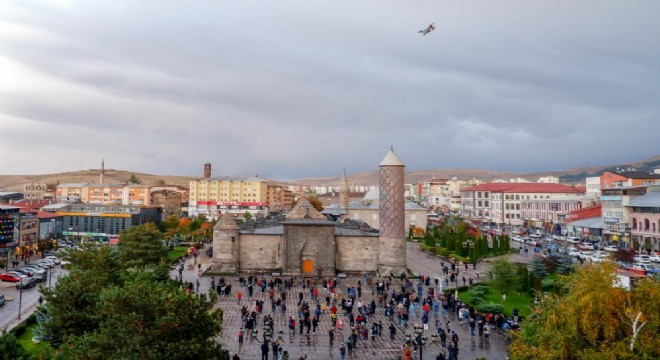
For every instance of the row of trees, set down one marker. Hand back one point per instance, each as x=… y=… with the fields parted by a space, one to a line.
x=121 y=304
x=461 y=241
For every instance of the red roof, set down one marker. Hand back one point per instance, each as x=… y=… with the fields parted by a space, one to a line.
x=525 y=188
x=584 y=213
x=31 y=204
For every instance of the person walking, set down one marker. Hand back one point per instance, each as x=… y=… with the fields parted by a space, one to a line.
x=239 y=296
x=487 y=333
x=342 y=351
x=331 y=336
x=473 y=324
x=264 y=351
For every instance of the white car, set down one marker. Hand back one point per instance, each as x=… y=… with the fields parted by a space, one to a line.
x=53 y=259
x=574 y=252
x=573 y=240
x=611 y=248
x=643 y=259
x=654 y=257
x=586 y=246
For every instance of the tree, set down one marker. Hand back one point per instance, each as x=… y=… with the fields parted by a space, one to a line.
x=134 y=180
x=410 y=232
x=505 y=277
x=146 y=319
x=539 y=267
x=11 y=349
x=563 y=263
x=451 y=243
x=247 y=216
x=589 y=318
x=140 y=246
x=483 y=243
x=625 y=255
x=316 y=203
x=436 y=233
x=521 y=280
x=444 y=237
x=496 y=245
x=428 y=239
x=171 y=223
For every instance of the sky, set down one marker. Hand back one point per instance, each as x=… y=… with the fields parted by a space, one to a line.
x=291 y=89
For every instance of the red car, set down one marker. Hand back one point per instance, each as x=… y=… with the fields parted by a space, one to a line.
x=9 y=277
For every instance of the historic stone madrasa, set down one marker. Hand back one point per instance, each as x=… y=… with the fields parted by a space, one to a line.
x=307 y=243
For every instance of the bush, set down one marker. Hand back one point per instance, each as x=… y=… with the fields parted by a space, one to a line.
x=547 y=283
x=491 y=308
x=443 y=252
x=482 y=287
x=476 y=292
x=476 y=301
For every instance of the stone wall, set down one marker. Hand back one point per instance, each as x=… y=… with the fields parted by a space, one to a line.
x=309 y=242
x=260 y=253
x=357 y=254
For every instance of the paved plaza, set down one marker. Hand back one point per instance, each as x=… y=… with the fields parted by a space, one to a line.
x=316 y=346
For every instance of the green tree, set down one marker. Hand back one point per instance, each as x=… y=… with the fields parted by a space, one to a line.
x=171 y=223
x=247 y=216
x=589 y=318
x=444 y=237
x=146 y=319
x=134 y=180
x=521 y=280
x=410 y=232
x=505 y=276
x=428 y=239
x=496 y=245
x=539 y=267
x=141 y=246
x=476 y=249
x=72 y=304
x=563 y=263
x=11 y=349
x=436 y=233
x=451 y=243
x=485 y=250
x=505 y=245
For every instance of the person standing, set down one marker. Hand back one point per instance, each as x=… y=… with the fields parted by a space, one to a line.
x=487 y=332
x=473 y=324
x=264 y=351
x=331 y=336
x=342 y=351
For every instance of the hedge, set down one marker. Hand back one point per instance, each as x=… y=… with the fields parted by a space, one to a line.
x=490 y=308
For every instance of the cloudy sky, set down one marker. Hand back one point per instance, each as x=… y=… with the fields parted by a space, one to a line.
x=304 y=88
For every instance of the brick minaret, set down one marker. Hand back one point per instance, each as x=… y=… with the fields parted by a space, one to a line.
x=207 y=170
x=343 y=191
x=392 y=239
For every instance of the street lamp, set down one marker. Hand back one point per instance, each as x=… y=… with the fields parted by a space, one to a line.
x=20 y=298
x=420 y=338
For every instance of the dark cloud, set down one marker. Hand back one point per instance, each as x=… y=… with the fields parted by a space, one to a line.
x=296 y=88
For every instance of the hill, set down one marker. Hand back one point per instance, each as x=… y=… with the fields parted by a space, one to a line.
x=15 y=182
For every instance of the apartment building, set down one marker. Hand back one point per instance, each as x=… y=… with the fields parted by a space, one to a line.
x=97 y=221
x=39 y=191
x=502 y=202
x=69 y=192
x=644 y=212
x=237 y=195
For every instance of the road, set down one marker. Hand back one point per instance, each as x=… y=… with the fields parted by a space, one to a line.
x=9 y=312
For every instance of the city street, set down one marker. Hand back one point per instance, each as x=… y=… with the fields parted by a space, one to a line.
x=9 y=312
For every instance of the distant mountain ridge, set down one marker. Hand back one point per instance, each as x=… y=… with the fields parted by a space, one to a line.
x=571 y=176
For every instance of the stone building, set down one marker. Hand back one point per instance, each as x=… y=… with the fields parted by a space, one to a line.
x=305 y=242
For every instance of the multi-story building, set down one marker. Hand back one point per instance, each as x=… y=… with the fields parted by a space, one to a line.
x=168 y=200
x=627 y=178
x=111 y=194
x=548 y=180
x=592 y=185
x=236 y=195
x=616 y=222
x=502 y=202
x=50 y=225
x=27 y=230
x=551 y=210
x=644 y=214
x=85 y=221
x=8 y=215
x=69 y=192
x=39 y=191
x=280 y=199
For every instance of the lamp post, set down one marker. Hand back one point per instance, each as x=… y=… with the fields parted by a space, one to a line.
x=420 y=338
x=20 y=298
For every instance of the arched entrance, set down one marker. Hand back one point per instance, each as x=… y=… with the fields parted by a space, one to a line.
x=307 y=267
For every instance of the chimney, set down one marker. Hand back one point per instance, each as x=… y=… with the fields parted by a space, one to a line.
x=207 y=170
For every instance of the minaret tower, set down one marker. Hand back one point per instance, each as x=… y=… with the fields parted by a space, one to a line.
x=392 y=239
x=102 y=171
x=343 y=191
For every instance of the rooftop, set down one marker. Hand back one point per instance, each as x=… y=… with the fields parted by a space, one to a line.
x=635 y=174
x=63 y=185
x=651 y=199
x=525 y=188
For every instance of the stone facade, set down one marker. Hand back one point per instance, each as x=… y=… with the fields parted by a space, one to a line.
x=306 y=243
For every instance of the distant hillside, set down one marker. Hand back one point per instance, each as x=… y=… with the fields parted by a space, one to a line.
x=575 y=175
x=15 y=182
x=571 y=176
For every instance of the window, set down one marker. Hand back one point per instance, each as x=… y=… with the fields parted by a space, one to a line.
x=646 y=224
x=486 y=203
x=517 y=206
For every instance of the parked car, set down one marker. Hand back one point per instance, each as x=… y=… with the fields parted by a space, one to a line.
x=654 y=257
x=574 y=252
x=9 y=277
x=573 y=240
x=599 y=256
x=610 y=248
x=26 y=284
x=25 y=272
x=18 y=274
x=2 y=300
x=648 y=268
x=586 y=246
x=645 y=259
x=37 y=272
x=46 y=263
x=54 y=259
